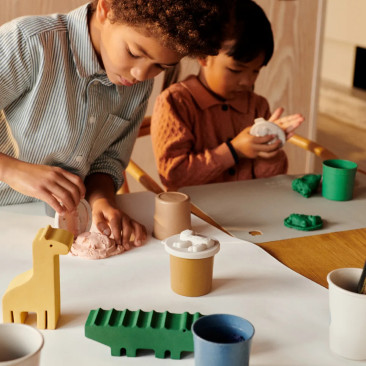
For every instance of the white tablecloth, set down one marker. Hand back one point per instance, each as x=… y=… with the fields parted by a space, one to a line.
x=289 y=312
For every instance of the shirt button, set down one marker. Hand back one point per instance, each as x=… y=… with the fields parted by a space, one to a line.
x=232 y=171
x=92 y=119
x=79 y=158
x=224 y=107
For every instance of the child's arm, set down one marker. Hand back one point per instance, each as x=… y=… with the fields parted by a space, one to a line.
x=288 y=123
x=59 y=188
x=107 y=217
x=174 y=145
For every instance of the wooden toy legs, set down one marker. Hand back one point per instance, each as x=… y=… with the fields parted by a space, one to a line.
x=45 y=319
x=10 y=316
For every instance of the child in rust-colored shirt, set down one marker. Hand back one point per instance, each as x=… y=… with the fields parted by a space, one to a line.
x=200 y=127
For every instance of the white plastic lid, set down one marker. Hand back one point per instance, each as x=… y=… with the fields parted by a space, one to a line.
x=184 y=252
x=78 y=222
x=262 y=127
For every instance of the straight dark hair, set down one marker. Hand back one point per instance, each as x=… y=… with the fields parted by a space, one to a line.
x=251 y=32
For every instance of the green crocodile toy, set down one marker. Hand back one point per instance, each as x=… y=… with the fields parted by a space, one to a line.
x=133 y=330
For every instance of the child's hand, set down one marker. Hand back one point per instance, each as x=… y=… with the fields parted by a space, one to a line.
x=289 y=123
x=57 y=187
x=249 y=146
x=109 y=219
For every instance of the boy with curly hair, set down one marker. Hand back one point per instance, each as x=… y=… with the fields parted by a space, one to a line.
x=201 y=127
x=73 y=90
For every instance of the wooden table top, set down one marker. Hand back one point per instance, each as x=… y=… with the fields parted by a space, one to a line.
x=315 y=256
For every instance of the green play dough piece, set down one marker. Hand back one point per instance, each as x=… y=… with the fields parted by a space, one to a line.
x=304 y=222
x=306 y=185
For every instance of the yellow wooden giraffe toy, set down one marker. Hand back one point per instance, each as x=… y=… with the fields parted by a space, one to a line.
x=38 y=290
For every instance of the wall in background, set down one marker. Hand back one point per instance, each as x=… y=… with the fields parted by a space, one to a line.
x=11 y=9
x=291 y=78
x=345 y=28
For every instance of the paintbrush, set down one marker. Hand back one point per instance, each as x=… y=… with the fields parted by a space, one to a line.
x=361 y=287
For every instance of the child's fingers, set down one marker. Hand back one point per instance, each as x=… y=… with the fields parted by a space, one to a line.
x=65 y=193
x=276 y=114
x=77 y=182
x=103 y=227
x=140 y=233
x=117 y=226
x=296 y=120
x=269 y=147
x=112 y=221
x=293 y=120
x=67 y=187
x=263 y=140
x=116 y=229
x=268 y=155
x=53 y=202
x=126 y=231
x=101 y=223
x=291 y=129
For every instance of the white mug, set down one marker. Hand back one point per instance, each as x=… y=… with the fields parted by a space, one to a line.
x=20 y=345
x=347 y=332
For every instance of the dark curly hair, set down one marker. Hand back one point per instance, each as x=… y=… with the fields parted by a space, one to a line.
x=189 y=27
x=251 y=32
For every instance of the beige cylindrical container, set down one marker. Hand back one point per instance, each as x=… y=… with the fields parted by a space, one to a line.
x=191 y=273
x=172 y=214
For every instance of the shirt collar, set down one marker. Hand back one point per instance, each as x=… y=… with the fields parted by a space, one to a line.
x=85 y=58
x=205 y=99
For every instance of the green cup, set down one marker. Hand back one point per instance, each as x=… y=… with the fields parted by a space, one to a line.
x=338 y=179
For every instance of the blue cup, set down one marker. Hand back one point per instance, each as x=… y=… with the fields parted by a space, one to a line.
x=222 y=340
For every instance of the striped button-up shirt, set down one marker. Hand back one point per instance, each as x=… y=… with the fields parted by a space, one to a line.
x=57 y=106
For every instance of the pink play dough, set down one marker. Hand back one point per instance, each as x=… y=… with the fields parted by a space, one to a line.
x=88 y=245
x=93 y=245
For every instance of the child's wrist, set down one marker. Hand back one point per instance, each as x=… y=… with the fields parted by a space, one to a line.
x=6 y=162
x=233 y=151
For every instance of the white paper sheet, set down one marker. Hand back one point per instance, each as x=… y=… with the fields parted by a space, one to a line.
x=289 y=312
x=261 y=205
